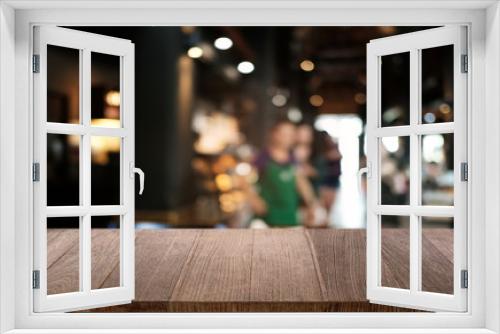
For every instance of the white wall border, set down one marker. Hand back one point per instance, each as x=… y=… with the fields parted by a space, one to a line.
x=323 y=14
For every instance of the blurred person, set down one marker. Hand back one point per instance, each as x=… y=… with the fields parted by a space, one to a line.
x=281 y=185
x=328 y=164
x=303 y=150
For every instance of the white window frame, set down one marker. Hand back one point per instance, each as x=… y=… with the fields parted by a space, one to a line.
x=16 y=21
x=414 y=44
x=85 y=297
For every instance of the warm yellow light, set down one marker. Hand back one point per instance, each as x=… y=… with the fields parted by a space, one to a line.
x=360 y=98
x=445 y=108
x=112 y=98
x=316 y=100
x=101 y=147
x=195 y=52
x=307 y=65
x=223 y=182
x=106 y=122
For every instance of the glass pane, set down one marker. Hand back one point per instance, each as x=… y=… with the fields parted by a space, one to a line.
x=105 y=252
x=63 y=255
x=395 y=170
x=63 y=84
x=437 y=169
x=63 y=170
x=105 y=170
x=437 y=84
x=437 y=254
x=395 y=89
x=105 y=92
x=395 y=248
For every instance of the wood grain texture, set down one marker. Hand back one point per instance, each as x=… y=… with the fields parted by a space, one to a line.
x=63 y=263
x=396 y=258
x=341 y=258
x=283 y=268
x=275 y=270
x=218 y=268
x=437 y=260
x=105 y=261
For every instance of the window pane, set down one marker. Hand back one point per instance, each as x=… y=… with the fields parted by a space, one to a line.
x=395 y=248
x=63 y=84
x=437 y=84
x=437 y=169
x=105 y=94
x=105 y=251
x=63 y=255
x=63 y=170
x=395 y=170
x=105 y=170
x=437 y=254
x=395 y=89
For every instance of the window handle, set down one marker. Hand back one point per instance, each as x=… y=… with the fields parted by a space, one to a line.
x=365 y=170
x=135 y=170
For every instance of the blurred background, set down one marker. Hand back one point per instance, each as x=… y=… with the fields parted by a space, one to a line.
x=206 y=99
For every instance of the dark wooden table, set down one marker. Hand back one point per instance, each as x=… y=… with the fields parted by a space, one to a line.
x=236 y=270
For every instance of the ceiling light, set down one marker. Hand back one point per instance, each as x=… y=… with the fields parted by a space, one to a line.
x=195 y=52
x=279 y=100
x=316 y=100
x=307 y=65
x=294 y=115
x=223 y=43
x=245 y=67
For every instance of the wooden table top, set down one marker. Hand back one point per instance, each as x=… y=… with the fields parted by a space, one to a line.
x=241 y=270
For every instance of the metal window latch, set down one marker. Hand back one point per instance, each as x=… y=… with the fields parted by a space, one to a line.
x=464 y=279
x=464 y=171
x=365 y=170
x=465 y=64
x=36 y=172
x=36 y=279
x=134 y=170
x=36 y=63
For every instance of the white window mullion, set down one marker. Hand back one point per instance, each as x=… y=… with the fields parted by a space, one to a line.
x=419 y=129
x=414 y=170
x=85 y=236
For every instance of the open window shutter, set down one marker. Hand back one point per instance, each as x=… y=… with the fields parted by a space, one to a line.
x=67 y=259
x=417 y=179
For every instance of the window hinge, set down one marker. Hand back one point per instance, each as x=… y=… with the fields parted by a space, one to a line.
x=36 y=279
x=465 y=64
x=36 y=63
x=464 y=171
x=464 y=279
x=36 y=172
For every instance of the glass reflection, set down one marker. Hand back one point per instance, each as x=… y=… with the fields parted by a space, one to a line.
x=437 y=169
x=395 y=248
x=395 y=170
x=106 y=99
x=437 y=84
x=63 y=84
x=395 y=89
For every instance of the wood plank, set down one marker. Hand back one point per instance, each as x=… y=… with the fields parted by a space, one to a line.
x=437 y=260
x=276 y=270
x=63 y=263
x=283 y=268
x=396 y=258
x=341 y=255
x=159 y=259
x=218 y=268
x=105 y=244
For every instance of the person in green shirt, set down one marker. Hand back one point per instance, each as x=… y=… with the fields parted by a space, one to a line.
x=281 y=185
